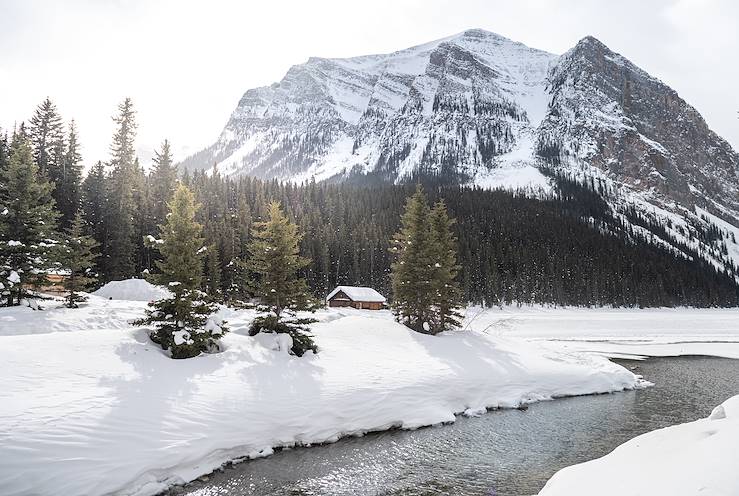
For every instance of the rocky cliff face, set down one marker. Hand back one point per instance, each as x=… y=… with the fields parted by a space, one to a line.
x=479 y=108
x=607 y=113
x=450 y=107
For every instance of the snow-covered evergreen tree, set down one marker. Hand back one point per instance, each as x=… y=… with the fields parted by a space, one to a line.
x=273 y=265
x=184 y=323
x=28 y=235
x=77 y=261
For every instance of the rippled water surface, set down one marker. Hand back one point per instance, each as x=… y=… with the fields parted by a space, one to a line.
x=506 y=452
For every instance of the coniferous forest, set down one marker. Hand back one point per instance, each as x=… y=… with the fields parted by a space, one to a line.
x=565 y=248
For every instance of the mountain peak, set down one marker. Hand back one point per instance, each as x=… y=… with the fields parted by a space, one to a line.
x=592 y=41
x=480 y=33
x=476 y=107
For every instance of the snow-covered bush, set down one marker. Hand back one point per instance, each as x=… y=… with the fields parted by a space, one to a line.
x=297 y=329
x=185 y=325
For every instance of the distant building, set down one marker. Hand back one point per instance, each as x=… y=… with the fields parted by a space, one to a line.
x=53 y=282
x=356 y=297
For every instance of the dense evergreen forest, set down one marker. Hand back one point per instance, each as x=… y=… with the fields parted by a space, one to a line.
x=512 y=248
x=565 y=249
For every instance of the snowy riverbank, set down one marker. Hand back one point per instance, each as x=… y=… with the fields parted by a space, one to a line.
x=98 y=409
x=694 y=458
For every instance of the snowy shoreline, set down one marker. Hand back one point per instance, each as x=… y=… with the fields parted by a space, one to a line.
x=691 y=458
x=97 y=411
x=88 y=405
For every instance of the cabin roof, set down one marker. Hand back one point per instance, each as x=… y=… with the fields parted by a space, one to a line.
x=357 y=293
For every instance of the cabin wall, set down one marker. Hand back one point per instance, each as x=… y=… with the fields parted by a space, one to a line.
x=359 y=305
x=340 y=303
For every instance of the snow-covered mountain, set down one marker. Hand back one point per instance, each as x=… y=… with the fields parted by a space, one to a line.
x=479 y=108
x=459 y=106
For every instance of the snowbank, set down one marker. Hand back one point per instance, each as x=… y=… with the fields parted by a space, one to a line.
x=96 y=314
x=694 y=458
x=104 y=411
x=132 y=290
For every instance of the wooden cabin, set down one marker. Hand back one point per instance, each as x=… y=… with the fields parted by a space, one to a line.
x=356 y=297
x=53 y=283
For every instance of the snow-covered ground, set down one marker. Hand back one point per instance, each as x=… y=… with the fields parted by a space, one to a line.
x=132 y=290
x=697 y=458
x=694 y=458
x=99 y=409
x=616 y=332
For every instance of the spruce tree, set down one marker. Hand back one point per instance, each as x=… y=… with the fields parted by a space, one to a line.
x=47 y=135
x=274 y=261
x=77 y=260
x=68 y=178
x=122 y=239
x=163 y=179
x=412 y=270
x=183 y=323
x=141 y=219
x=94 y=211
x=213 y=272
x=273 y=265
x=28 y=237
x=68 y=189
x=447 y=297
x=4 y=150
x=239 y=225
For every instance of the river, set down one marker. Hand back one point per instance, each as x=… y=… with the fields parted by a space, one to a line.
x=504 y=452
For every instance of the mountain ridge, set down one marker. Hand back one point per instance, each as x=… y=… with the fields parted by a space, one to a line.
x=480 y=109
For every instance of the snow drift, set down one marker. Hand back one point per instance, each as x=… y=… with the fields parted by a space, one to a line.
x=104 y=411
x=132 y=290
x=694 y=458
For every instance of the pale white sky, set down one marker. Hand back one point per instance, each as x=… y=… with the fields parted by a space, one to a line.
x=187 y=63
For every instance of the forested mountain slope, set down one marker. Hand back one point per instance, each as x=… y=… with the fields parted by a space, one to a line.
x=565 y=248
x=479 y=109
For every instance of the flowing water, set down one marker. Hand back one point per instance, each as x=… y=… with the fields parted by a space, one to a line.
x=505 y=452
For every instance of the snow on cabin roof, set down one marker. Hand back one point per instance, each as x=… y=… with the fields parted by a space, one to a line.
x=357 y=293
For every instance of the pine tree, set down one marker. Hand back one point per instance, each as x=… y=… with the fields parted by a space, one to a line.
x=47 y=133
x=4 y=151
x=163 y=182
x=446 y=293
x=184 y=324
x=77 y=259
x=141 y=219
x=68 y=178
x=412 y=271
x=213 y=272
x=274 y=261
x=28 y=236
x=122 y=239
x=182 y=243
x=94 y=208
x=236 y=280
x=273 y=265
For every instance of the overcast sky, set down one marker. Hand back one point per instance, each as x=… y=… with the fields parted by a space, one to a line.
x=187 y=63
